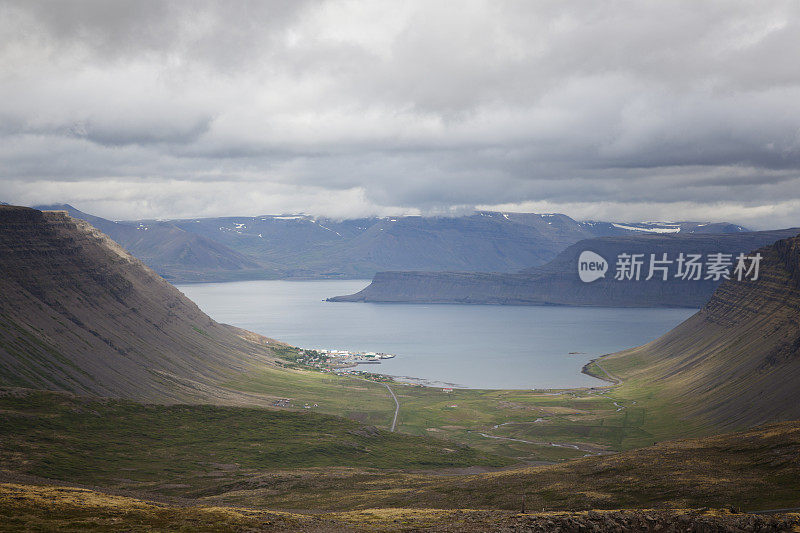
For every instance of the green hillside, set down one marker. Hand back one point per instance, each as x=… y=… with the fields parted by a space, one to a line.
x=734 y=364
x=195 y=450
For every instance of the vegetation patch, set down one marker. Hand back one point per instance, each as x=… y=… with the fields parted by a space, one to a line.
x=189 y=449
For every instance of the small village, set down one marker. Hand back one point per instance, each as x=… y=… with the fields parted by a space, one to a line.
x=355 y=358
x=339 y=359
x=340 y=362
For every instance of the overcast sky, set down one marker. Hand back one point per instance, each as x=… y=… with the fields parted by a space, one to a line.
x=608 y=110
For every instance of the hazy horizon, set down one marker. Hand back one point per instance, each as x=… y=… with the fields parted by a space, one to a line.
x=443 y=215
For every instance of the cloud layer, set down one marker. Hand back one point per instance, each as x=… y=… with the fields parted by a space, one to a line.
x=622 y=110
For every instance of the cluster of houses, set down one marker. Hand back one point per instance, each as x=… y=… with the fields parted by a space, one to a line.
x=366 y=375
x=340 y=362
x=348 y=357
x=286 y=402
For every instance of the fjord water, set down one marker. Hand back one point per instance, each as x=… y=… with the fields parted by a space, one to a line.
x=475 y=346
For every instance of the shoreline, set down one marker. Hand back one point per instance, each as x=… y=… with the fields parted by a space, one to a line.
x=608 y=376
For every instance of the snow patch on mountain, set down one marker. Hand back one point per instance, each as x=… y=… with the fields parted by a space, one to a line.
x=647 y=229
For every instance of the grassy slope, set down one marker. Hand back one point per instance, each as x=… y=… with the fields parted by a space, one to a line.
x=579 y=416
x=661 y=415
x=34 y=508
x=732 y=365
x=751 y=471
x=192 y=449
x=357 y=399
x=289 y=460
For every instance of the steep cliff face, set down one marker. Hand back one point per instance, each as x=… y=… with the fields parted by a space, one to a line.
x=173 y=252
x=736 y=362
x=79 y=313
x=558 y=282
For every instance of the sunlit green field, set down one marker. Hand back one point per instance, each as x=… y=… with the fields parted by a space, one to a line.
x=531 y=425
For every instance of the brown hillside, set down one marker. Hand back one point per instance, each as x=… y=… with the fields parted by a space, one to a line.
x=736 y=363
x=53 y=508
x=78 y=313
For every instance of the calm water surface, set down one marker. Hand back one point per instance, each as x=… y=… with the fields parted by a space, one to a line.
x=477 y=346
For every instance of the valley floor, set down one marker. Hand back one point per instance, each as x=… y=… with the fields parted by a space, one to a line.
x=454 y=450
x=290 y=460
x=526 y=426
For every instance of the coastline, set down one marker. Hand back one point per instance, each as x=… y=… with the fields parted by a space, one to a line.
x=608 y=376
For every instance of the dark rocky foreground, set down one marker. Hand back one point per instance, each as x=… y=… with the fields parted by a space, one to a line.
x=664 y=521
x=40 y=508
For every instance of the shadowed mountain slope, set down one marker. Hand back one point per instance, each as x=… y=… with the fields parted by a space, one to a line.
x=78 y=313
x=736 y=363
x=173 y=252
x=558 y=283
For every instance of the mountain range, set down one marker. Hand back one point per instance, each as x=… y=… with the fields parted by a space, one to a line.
x=558 y=281
x=302 y=246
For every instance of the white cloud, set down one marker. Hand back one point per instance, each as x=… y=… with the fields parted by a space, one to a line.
x=351 y=107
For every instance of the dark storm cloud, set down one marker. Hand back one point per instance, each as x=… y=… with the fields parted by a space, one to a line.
x=623 y=110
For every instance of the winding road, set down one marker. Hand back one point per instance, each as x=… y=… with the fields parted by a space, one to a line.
x=613 y=379
x=590 y=450
x=396 y=409
x=587 y=449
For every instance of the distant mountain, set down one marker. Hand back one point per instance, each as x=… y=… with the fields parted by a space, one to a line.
x=302 y=246
x=176 y=254
x=311 y=247
x=78 y=313
x=306 y=246
x=736 y=363
x=609 y=229
x=558 y=282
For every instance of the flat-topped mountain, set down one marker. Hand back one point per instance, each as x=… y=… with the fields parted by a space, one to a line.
x=558 y=282
x=79 y=313
x=736 y=363
x=303 y=246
